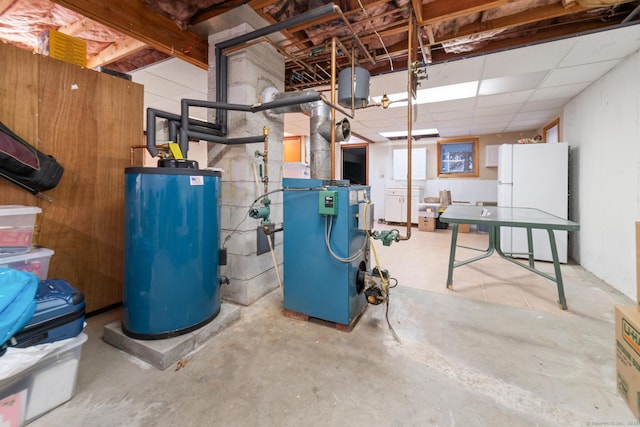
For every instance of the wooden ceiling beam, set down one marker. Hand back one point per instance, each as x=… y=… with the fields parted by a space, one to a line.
x=528 y=17
x=4 y=5
x=77 y=27
x=134 y=19
x=116 y=51
x=552 y=33
x=443 y=10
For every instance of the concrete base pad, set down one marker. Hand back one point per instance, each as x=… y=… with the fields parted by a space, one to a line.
x=164 y=353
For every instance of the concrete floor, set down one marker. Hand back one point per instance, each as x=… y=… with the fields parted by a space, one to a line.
x=497 y=351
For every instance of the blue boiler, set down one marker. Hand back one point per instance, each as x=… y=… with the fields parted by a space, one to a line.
x=317 y=284
x=171 y=277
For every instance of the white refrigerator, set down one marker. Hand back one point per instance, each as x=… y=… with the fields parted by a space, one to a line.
x=534 y=176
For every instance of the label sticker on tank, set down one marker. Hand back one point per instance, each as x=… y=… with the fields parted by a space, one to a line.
x=196 y=180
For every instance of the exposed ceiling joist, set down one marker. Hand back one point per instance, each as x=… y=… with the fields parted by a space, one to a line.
x=530 y=16
x=116 y=51
x=134 y=19
x=440 y=10
x=4 y=5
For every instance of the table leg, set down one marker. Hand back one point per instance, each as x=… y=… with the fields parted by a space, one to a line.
x=452 y=255
x=556 y=265
x=530 y=247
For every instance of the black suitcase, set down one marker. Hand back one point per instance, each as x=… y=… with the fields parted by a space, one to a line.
x=60 y=314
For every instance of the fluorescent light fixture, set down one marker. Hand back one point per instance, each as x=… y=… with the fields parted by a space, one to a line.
x=414 y=132
x=433 y=94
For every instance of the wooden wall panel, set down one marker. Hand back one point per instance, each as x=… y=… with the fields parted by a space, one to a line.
x=87 y=121
x=18 y=109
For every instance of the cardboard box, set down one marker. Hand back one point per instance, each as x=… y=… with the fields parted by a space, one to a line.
x=638 y=262
x=463 y=228
x=62 y=46
x=628 y=356
x=426 y=223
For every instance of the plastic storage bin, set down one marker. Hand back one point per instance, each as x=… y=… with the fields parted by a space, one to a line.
x=45 y=385
x=16 y=228
x=35 y=261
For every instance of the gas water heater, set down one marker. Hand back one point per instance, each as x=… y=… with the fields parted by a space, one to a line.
x=326 y=248
x=172 y=225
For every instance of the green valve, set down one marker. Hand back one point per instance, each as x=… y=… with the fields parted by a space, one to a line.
x=328 y=203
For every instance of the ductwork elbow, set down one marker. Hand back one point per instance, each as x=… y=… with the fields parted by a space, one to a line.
x=343 y=129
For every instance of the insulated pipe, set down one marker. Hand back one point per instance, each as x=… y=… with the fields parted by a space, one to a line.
x=221 y=59
x=213 y=136
x=152 y=113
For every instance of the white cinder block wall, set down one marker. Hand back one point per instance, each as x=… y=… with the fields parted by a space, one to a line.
x=602 y=124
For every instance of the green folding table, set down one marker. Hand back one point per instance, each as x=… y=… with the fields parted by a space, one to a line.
x=495 y=217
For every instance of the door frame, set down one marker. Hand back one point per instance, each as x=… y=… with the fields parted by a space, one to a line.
x=347 y=147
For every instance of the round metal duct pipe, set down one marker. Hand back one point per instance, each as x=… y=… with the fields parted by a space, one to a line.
x=320 y=145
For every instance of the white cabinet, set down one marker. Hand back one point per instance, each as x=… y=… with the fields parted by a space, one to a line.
x=395 y=204
x=491 y=156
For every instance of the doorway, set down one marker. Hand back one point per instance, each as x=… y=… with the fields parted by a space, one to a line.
x=355 y=163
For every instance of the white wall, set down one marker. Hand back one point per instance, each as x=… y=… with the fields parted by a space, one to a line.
x=483 y=188
x=602 y=124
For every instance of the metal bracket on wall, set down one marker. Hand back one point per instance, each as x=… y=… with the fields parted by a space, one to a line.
x=262 y=245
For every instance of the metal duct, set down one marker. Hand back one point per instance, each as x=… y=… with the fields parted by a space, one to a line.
x=319 y=128
x=320 y=161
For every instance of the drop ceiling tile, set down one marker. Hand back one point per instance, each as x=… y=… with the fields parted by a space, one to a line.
x=493 y=120
x=604 y=46
x=499 y=109
x=512 y=83
x=395 y=82
x=504 y=99
x=453 y=72
x=558 y=92
x=458 y=104
x=544 y=56
x=453 y=115
x=578 y=74
x=551 y=104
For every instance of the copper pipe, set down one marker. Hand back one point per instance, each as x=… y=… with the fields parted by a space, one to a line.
x=328 y=102
x=275 y=45
x=348 y=24
x=333 y=109
x=409 y=121
x=353 y=82
x=265 y=159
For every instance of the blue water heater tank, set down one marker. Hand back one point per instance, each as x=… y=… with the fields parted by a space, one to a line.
x=171 y=278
